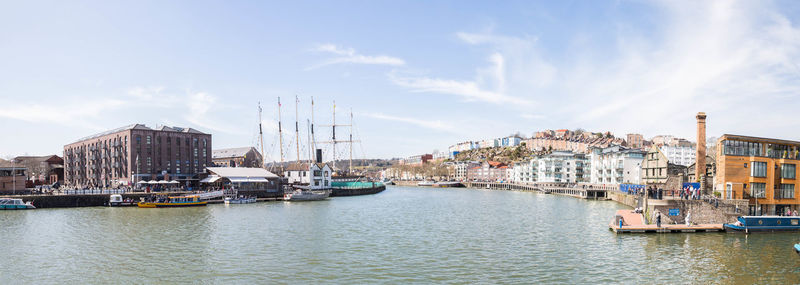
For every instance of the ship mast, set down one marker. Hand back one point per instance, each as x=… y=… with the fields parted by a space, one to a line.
x=261 y=136
x=334 y=135
x=350 y=168
x=313 y=139
x=333 y=140
x=280 y=131
x=297 y=126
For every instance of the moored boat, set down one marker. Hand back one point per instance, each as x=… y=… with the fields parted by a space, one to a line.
x=306 y=195
x=116 y=200
x=15 y=204
x=240 y=200
x=172 y=202
x=750 y=224
x=797 y=248
x=448 y=184
x=425 y=183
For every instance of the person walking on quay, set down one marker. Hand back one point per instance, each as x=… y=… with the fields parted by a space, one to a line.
x=658 y=219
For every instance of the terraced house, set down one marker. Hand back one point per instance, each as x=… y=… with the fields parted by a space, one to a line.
x=761 y=170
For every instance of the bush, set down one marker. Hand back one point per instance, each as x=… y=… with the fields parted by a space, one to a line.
x=717 y=194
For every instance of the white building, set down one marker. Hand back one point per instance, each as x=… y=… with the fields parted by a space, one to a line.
x=510 y=141
x=680 y=155
x=463 y=146
x=525 y=172
x=562 y=166
x=616 y=165
x=461 y=168
x=315 y=175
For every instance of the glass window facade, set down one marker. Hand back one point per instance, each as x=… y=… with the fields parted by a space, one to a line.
x=743 y=148
x=786 y=191
x=759 y=169
x=788 y=171
x=758 y=190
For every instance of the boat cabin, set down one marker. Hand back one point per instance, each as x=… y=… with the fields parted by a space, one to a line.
x=185 y=199
x=11 y=201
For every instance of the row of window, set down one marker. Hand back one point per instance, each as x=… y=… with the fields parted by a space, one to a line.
x=734 y=147
x=784 y=191
x=759 y=169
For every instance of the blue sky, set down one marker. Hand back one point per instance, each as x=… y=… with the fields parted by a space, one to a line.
x=418 y=76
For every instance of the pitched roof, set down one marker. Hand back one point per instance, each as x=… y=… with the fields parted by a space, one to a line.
x=303 y=166
x=232 y=152
x=54 y=159
x=141 y=127
x=8 y=164
x=241 y=172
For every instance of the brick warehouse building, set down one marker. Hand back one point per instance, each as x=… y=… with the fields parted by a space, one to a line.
x=137 y=153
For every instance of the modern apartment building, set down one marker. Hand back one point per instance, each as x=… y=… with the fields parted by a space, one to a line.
x=461 y=169
x=680 y=155
x=616 y=165
x=762 y=170
x=562 y=166
x=136 y=153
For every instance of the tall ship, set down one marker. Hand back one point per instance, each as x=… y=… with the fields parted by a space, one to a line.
x=312 y=175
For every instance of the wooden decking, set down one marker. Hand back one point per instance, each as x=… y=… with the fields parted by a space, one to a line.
x=634 y=223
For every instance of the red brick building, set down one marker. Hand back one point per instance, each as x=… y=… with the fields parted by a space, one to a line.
x=137 y=153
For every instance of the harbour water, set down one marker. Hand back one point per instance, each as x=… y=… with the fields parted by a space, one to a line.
x=402 y=235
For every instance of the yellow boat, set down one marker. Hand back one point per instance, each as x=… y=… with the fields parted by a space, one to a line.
x=181 y=201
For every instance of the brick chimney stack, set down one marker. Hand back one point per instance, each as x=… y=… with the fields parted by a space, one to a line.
x=700 y=155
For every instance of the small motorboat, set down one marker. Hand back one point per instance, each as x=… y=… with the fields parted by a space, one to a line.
x=306 y=195
x=172 y=202
x=425 y=183
x=240 y=200
x=116 y=200
x=797 y=248
x=15 y=204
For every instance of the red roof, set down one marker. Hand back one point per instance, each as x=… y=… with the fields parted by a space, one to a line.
x=495 y=163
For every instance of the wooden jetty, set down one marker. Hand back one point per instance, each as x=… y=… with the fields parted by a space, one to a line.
x=634 y=223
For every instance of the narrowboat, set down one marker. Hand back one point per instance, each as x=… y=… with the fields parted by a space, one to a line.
x=14 y=204
x=748 y=224
x=171 y=202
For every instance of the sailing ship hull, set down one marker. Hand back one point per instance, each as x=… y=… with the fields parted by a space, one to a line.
x=298 y=196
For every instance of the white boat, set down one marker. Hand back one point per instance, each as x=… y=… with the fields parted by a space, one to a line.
x=14 y=204
x=115 y=200
x=306 y=195
x=425 y=183
x=240 y=200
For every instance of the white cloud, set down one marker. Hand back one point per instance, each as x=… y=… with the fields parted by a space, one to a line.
x=733 y=60
x=488 y=86
x=428 y=124
x=349 y=55
x=82 y=113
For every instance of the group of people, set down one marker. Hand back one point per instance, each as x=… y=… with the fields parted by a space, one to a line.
x=690 y=193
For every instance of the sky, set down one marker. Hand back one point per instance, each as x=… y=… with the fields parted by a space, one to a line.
x=417 y=76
